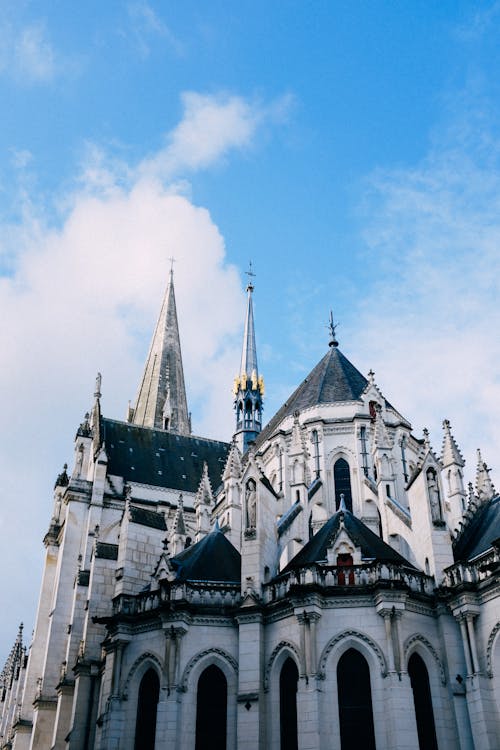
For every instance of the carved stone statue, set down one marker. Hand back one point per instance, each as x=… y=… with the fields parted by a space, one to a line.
x=434 y=498
x=251 y=504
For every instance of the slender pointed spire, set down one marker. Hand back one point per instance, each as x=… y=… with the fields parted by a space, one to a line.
x=248 y=365
x=248 y=386
x=161 y=401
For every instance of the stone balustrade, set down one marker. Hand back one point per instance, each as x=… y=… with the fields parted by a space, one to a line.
x=329 y=576
x=473 y=572
x=220 y=595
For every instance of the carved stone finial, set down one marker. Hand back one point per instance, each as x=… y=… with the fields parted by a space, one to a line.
x=98 y=384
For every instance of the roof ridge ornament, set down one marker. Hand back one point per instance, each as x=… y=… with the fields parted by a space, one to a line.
x=332 y=327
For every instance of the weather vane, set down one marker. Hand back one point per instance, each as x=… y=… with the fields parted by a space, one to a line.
x=250 y=275
x=332 y=327
x=172 y=261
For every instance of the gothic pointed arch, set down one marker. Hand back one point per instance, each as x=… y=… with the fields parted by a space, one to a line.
x=354 y=639
x=490 y=650
x=288 y=682
x=147 y=705
x=283 y=650
x=210 y=656
x=211 y=709
x=422 y=699
x=355 y=701
x=342 y=482
x=418 y=642
x=143 y=662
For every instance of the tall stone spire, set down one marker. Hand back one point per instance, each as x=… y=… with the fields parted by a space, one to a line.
x=248 y=386
x=161 y=401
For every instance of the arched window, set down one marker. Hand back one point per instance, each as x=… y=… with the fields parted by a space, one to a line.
x=423 y=703
x=355 y=702
x=147 y=703
x=289 y=678
x=211 y=710
x=342 y=479
x=315 y=442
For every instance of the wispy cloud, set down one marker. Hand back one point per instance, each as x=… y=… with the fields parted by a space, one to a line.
x=34 y=56
x=432 y=318
x=146 y=26
x=27 y=54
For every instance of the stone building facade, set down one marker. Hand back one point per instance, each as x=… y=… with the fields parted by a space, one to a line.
x=324 y=582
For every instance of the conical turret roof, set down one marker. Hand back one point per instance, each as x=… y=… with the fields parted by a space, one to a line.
x=333 y=379
x=161 y=401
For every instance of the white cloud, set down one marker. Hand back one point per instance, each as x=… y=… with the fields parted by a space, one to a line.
x=83 y=296
x=212 y=125
x=430 y=324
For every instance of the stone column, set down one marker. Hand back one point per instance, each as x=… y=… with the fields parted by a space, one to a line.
x=251 y=734
x=308 y=719
x=167 y=716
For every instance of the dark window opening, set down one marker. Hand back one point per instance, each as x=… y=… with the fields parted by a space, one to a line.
x=289 y=678
x=345 y=561
x=147 y=703
x=342 y=479
x=355 y=702
x=424 y=714
x=211 y=710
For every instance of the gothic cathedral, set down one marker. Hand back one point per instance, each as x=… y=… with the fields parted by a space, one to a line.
x=322 y=582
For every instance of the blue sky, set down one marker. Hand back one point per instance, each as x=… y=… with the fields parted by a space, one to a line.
x=350 y=149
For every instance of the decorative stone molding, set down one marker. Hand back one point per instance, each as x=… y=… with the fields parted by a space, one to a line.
x=146 y=656
x=357 y=635
x=217 y=652
x=414 y=640
x=489 y=650
x=282 y=646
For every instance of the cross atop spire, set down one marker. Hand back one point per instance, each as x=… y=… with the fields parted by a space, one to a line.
x=161 y=400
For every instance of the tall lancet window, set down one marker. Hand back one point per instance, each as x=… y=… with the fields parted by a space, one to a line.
x=211 y=710
x=355 y=702
x=289 y=678
x=403 y=458
x=342 y=480
x=364 y=450
x=424 y=714
x=315 y=442
x=145 y=726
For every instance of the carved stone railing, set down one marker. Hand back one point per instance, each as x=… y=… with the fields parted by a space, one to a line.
x=353 y=576
x=482 y=569
x=209 y=594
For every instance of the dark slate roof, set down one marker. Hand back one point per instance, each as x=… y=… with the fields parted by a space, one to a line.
x=481 y=531
x=147 y=518
x=333 y=379
x=372 y=546
x=163 y=459
x=212 y=559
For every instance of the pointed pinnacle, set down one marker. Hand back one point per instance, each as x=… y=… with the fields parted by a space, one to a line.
x=450 y=453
